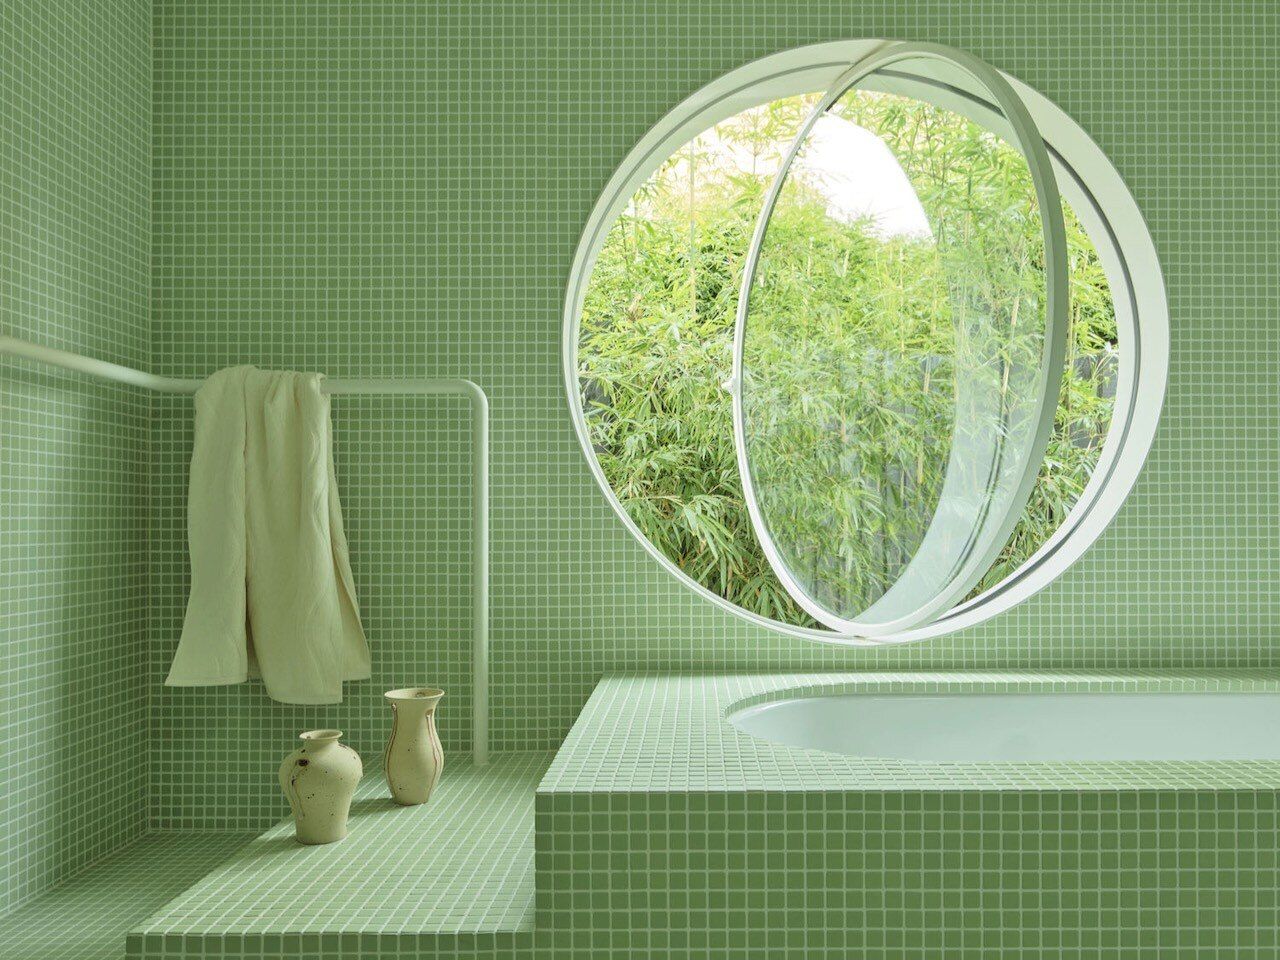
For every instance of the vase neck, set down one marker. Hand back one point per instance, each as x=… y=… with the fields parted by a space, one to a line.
x=418 y=700
x=411 y=709
x=313 y=741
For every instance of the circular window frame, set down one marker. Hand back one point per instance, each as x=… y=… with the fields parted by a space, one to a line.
x=1099 y=198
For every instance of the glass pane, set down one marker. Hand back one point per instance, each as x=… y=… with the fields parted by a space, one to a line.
x=899 y=362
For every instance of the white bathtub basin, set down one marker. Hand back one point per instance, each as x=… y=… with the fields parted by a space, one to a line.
x=1043 y=727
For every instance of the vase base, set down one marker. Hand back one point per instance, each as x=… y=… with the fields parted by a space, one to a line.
x=317 y=841
x=409 y=803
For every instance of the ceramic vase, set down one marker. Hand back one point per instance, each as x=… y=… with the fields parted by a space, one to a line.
x=319 y=780
x=414 y=758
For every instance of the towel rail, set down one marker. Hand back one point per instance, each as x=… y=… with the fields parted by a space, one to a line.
x=114 y=372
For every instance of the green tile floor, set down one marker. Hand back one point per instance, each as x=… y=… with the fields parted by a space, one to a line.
x=87 y=917
x=460 y=865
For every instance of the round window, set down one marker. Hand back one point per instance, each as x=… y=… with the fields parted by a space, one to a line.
x=866 y=341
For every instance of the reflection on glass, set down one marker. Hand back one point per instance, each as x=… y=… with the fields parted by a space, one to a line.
x=893 y=355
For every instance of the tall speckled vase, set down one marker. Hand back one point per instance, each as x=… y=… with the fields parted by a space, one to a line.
x=414 y=757
x=319 y=779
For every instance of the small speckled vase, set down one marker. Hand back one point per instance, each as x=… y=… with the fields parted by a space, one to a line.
x=414 y=757
x=319 y=780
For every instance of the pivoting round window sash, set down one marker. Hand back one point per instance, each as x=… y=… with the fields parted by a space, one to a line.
x=990 y=472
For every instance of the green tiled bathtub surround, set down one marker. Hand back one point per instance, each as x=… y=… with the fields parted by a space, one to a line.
x=397 y=189
x=87 y=918
x=668 y=733
x=662 y=828
x=1086 y=875
x=75 y=109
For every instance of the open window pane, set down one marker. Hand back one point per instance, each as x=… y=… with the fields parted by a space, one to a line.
x=900 y=344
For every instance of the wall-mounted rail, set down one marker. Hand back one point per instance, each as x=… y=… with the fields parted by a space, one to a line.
x=116 y=373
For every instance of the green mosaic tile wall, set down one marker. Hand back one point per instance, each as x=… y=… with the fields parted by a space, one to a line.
x=74 y=246
x=396 y=189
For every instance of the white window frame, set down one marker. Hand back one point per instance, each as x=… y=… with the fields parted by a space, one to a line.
x=1089 y=183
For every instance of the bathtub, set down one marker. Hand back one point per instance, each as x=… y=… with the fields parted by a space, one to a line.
x=883 y=815
x=1032 y=727
x=881 y=731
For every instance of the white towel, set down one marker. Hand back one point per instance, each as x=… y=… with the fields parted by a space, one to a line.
x=271 y=587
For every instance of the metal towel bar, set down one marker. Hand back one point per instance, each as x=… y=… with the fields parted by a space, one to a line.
x=480 y=481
